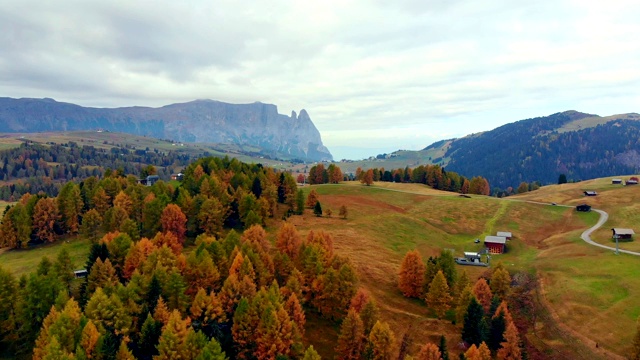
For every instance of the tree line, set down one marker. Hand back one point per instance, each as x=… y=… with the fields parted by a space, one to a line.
x=31 y=168
x=432 y=175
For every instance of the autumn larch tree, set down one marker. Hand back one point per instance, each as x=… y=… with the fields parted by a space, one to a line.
x=429 y=351
x=483 y=294
x=510 y=349
x=343 y=212
x=381 y=341
x=367 y=177
x=70 y=206
x=411 y=276
x=90 y=227
x=172 y=344
x=212 y=216
x=501 y=283
x=45 y=216
x=174 y=221
x=288 y=241
x=312 y=199
x=351 y=339
x=438 y=297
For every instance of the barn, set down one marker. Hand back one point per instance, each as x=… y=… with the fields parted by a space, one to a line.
x=495 y=244
x=583 y=207
x=623 y=234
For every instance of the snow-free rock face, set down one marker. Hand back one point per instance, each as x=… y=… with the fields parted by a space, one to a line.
x=209 y=121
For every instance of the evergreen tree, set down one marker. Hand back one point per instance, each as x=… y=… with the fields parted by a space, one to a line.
x=475 y=329
x=497 y=328
x=317 y=209
x=149 y=336
x=443 y=348
x=562 y=179
x=300 y=202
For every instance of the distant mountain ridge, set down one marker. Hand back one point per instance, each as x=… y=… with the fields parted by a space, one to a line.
x=581 y=146
x=210 y=121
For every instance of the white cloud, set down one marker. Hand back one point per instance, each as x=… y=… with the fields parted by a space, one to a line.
x=363 y=69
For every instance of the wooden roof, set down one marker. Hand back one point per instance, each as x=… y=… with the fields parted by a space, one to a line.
x=495 y=239
x=622 y=231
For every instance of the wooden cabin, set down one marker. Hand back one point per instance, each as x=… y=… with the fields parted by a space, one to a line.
x=495 y=244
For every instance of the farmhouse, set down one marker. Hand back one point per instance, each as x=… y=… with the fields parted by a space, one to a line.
x=616 y=181
x=177 y=176
x=495 y=244
x=622 y=234
x=505 y=234
x=583 y=207
x=590 y=193
x=632 y=181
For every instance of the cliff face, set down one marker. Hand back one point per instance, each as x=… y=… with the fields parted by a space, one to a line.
x=211 y=121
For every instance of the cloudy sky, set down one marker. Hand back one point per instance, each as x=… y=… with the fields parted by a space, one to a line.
x=375 y=76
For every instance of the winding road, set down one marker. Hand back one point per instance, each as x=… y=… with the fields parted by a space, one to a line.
x=586 y=235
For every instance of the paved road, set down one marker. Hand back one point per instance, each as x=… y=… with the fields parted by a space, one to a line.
x=586 y=235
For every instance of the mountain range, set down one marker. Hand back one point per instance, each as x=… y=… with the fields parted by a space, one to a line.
x=252 y=125
x=581 y=146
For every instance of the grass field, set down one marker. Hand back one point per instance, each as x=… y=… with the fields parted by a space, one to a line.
x=23 y=261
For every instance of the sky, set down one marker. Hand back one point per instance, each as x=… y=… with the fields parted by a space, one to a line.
x=375 y=76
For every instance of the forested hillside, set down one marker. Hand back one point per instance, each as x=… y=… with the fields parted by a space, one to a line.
x=533 y=150
x=36 y=167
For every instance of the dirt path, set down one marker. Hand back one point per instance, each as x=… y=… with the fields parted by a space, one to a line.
x=586 y=235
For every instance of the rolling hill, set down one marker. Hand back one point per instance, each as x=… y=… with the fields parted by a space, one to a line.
x=581 y=146
x=203 y=121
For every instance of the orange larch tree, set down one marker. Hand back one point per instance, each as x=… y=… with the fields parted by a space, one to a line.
x=411 y=276
x=174 y=221
x=482 y=291
x=288 y=240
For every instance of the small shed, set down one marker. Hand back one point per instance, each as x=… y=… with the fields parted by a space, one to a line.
x=583 y=207
x=616 y=181
x=177 y=176
x=152 y=179
x=506 y=234
x=622 y=234
x=472 y=256
x=80 y=274
x=590 y=193
x=495 y=244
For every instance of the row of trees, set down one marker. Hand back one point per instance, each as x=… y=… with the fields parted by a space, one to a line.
x=432 y=175
x=480 y=309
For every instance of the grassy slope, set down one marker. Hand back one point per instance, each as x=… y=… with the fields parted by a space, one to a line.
x=594 y=121
x=21 y=262
x=383 y=225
